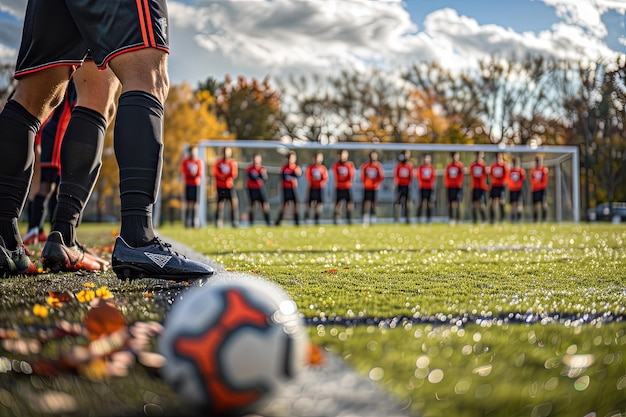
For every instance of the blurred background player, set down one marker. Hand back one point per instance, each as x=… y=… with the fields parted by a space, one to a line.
x=343 y=169
x=498 y=174
x=316 y=176
x=289 y=174
x=48 y=141
x=426 y=179
x=478 y=180
x=453 y=177
x=256 y=175
x=402 y=177
x=225 y=172
x=538 y=184
x=516 y=178
x=192 y=170
x=372 y=175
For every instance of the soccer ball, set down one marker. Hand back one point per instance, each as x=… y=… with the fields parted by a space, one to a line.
x=231 y=343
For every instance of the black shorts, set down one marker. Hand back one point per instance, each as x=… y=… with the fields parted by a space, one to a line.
x=225 y=194
x=191 y=193
x=539 y=196
x=61 y=32
x=50 y=175
x=455 y=194
x=426 y=194
x=515 y=196
x=315 y=195
x=289 y=194
x=402 y=193
x=343 y=195
x=497 y=192
x=478 y=195
x=369 y=195
x=256 y=194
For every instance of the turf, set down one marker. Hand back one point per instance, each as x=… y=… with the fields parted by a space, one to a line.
x=468 y=320
x=511 y=320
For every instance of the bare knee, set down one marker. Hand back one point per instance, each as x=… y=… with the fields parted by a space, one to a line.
x=143 y=70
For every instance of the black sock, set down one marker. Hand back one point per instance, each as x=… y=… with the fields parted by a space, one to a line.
x=81 y=158
x=501 y=212
x=267 y=217
x=17 y=156
x=139 y=152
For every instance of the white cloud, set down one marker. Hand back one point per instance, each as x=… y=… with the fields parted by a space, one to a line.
x=279 y=37
x=587 y=13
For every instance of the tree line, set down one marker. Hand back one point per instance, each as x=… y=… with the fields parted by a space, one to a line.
x=532 y=100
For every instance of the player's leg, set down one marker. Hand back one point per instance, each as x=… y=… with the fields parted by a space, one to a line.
x=234 y=208
x=138 y=142
x=35 y=97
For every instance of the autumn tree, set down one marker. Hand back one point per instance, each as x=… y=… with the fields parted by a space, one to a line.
x=249 y=108
x=189 y=118
x=444 y=105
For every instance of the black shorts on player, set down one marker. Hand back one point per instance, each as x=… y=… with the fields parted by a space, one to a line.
x=497 y=192
x=402 y=193
x=369 y=195
x=289 y=194
x=455 y=194
x=224 y=194
x=256 y=195
x=426 y=194
x=343 y=195
x=515 y=196
x=478 y=195
x=315 y=196
x=539 y=196
x=191 y=193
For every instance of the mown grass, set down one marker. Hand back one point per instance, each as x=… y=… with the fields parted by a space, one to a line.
x=506 y=320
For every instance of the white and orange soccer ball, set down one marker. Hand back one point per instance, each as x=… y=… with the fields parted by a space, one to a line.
x=231 y=343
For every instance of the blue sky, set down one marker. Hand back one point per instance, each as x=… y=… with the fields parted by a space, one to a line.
x=281 y=37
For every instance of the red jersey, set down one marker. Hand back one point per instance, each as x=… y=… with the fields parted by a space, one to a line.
x=255 y=177
x=344 y=174
x=426 y=177
x=192 y=171
x=516 y=179
x=453 y=176
x=289 y=174
x=538 y=178
x=403 y=173
x=478 y=175
x=372 y=175
x=225 y=171
x=316 y=175
x=498 y=173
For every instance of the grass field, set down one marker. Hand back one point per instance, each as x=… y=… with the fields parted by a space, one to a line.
x=506 y=320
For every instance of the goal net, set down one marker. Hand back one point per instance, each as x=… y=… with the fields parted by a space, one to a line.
x=563 y=192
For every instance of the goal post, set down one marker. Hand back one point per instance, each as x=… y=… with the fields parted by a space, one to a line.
x=563 y=162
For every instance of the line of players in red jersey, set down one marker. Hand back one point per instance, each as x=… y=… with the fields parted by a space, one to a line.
x=486 y=182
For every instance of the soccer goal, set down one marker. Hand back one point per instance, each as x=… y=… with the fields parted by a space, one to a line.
x=563 y=191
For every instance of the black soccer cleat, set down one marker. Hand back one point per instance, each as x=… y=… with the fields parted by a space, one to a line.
x=155 y=260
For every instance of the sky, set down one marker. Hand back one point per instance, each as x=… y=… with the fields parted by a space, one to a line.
x=277 y=38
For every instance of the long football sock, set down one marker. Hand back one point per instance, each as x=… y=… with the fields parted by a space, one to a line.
x=139 y=152
x=81 y=159
x=17 y=157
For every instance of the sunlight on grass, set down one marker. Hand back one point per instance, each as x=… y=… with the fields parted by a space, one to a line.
x=446 y=309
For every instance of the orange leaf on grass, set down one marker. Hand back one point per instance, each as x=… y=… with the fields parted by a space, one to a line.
x=316 y=355
x=61 y=296
x=331 y=271
x=103 y=318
